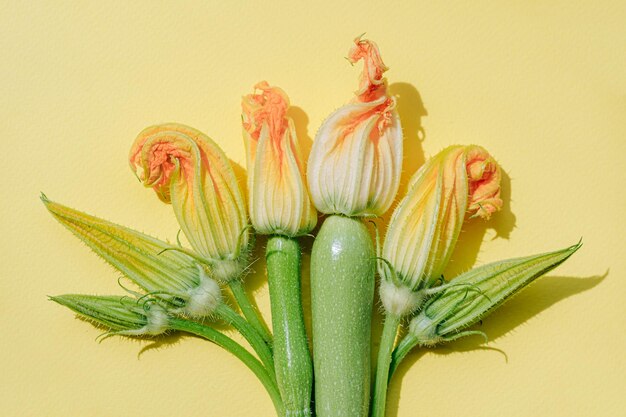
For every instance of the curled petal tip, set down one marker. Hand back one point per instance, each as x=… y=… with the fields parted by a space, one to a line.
x=484 y=178
x=355 y=163
x=268 y=106
x=372 y=83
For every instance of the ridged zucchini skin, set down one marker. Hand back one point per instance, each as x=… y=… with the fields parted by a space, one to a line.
x=342 y=294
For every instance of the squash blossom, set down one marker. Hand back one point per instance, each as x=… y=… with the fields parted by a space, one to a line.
x=424 y=228
x=187 y=169
x=278 y=196
x=356 y=160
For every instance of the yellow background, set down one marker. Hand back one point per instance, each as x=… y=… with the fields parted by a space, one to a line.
x=542 y=85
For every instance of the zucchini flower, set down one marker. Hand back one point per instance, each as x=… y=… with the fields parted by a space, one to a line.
x=123 y=315
x=187 y=169
x=173 y=278
x=278 y=196
x=426 y=224
x=476 y=293
x=355 y=163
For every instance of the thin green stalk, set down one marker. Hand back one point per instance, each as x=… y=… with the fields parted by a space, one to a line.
x=230 y=316
x=387 y=339
x=342 y=295
x=294 y=371
x=236 y=349
x=404 y=347
x=249 y=312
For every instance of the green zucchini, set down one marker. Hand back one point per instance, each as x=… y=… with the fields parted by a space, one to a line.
x=342 y=294
x=294 y=371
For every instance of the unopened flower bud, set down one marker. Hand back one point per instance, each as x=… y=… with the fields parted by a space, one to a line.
x=123 y=315
x=356 y=160
x=474 y=294
x=278 y=196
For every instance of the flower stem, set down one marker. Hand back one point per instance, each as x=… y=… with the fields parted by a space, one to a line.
x=294 y=371
x=342 y=295
x=230 y=316
x=236 y=349
x=387 y=339
x=404 y=347
x=249 y=312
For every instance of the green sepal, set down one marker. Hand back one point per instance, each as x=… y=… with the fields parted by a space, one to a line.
x=474 y=294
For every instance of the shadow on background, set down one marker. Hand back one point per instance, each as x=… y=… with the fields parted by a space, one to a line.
x=301 y=125
x=539 y=296
x=411 y=110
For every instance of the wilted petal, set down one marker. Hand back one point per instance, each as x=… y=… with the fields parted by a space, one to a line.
x=278 y=197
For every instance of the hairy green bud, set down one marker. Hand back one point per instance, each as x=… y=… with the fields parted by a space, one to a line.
x=472 y=295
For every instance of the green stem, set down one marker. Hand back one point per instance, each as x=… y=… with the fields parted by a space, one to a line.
x=342 y=295
x=249 y=312
x=404 y=347
x=236 y=349
x=387 y=339
x=294 y=371
x=230 y=316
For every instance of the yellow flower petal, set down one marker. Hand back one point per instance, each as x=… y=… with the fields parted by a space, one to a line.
x=426 y=224
x=278 y=196
x=356 y=161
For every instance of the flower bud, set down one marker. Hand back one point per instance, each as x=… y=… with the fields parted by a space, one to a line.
x=355 y=163
x=123 y=315
x=189 y=170
x=476 y=293
x=169 y=275
x=426 y=224
x=278 y=197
